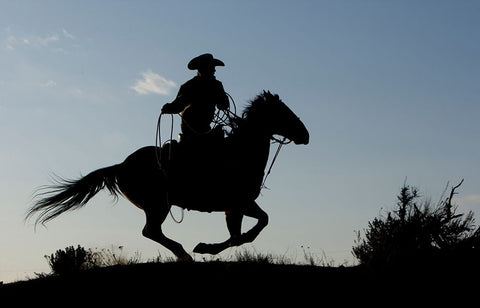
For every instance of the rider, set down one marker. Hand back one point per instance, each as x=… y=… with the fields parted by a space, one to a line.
x=197 y=98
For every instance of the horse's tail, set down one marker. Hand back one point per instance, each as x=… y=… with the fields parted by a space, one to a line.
x=66 y=195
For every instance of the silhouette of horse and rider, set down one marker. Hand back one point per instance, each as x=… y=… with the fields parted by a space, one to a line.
x=208 y=170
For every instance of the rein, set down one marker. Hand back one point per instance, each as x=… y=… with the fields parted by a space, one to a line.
x=280 y=144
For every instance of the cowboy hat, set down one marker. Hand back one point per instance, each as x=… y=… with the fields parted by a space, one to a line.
x=204 y=60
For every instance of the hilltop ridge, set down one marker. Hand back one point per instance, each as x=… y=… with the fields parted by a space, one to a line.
x=213 y=283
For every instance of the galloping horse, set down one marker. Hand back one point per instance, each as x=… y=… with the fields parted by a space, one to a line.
x=227 y=178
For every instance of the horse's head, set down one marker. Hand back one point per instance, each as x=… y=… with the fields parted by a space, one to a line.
x=277 y=118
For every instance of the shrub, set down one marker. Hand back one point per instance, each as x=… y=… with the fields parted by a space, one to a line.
x=69 y=260
x=73 y=259
x=417 y=233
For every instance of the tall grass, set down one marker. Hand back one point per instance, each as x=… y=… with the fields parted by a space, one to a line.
x=71 y=259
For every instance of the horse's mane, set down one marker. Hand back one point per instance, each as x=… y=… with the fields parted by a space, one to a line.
x=255 y=110
x=259 y=103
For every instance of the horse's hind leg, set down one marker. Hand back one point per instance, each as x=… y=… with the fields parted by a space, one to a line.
x=153 y=231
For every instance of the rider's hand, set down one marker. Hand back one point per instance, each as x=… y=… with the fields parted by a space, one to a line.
x=166 y=108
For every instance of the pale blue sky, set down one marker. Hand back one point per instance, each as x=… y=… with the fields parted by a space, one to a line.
x=388 y=90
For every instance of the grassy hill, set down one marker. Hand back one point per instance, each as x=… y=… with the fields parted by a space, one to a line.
x=225 y=284
x=200 y=279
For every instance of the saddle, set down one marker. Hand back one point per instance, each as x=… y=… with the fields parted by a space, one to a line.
x=193 y=159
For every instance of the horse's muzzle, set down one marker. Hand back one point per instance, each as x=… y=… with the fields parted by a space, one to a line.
x=304 y=139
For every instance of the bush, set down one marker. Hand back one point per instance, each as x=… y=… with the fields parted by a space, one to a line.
x=418 y=234
x=73 y=259
x=69 y=260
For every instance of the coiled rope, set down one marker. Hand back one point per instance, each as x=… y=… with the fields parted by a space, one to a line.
x=158 y=155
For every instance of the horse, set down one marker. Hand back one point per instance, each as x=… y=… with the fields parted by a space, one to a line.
x=154 y=181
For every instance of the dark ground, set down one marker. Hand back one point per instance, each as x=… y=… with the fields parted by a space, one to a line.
x=238 y=283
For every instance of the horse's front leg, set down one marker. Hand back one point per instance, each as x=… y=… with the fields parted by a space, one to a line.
x=253 y=210
x=234 y=226
x=234 y=222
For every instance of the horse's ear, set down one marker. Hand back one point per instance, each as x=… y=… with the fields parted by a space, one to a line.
x=267 y=95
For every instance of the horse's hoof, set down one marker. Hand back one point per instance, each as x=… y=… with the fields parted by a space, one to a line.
x=185 y=258
x=212 y=249
x=201 y=248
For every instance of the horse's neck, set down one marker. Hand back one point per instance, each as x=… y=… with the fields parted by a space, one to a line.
x=252 y=152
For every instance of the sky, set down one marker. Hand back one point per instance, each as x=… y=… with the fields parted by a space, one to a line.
x=387 y=89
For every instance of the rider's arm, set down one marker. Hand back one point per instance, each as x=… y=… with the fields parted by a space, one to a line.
x=223 y=102
x=178 y=105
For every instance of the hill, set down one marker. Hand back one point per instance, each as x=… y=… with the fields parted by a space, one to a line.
x=174 y=279
x=226 y=283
